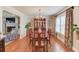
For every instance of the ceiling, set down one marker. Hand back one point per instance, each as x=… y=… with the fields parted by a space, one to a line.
x=44 y=10
x=8 y=14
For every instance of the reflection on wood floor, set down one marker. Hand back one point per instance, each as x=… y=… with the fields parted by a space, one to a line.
x=22 y=45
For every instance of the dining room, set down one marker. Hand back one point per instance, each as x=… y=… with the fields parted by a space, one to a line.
x=42 y=29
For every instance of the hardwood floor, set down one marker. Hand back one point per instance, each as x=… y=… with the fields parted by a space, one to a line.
x=59 y=46
x=22 y=45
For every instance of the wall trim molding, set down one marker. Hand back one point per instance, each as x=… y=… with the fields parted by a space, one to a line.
x=63 y=10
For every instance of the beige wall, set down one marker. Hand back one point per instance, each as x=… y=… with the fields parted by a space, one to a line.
x=51 y=23
x=76 y=21
x=0 y=23
x=0 y=20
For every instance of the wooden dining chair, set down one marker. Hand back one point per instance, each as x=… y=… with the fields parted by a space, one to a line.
x=35 y=41
x=43 y=42
x=30 y=35
x=49 y=35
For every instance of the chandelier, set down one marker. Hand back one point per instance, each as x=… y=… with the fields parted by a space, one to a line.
x=40 y=17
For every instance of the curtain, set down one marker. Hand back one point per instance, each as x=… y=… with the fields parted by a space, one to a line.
x=68 y=28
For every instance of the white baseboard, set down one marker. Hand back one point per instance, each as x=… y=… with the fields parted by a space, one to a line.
x=75 y=49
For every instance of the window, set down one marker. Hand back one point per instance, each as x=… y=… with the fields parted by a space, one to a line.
x=60 y=24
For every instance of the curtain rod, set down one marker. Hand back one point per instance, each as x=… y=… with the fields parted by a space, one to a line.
x=61 y=11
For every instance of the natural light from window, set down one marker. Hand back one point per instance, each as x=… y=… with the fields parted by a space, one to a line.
x=60 y=25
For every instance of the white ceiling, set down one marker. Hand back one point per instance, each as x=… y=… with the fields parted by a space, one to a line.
x=34 y=10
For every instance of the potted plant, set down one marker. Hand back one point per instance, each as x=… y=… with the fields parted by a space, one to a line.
x=27 y=26
x=76 y=29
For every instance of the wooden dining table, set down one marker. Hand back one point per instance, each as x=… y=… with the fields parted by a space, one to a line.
x=40 y=42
